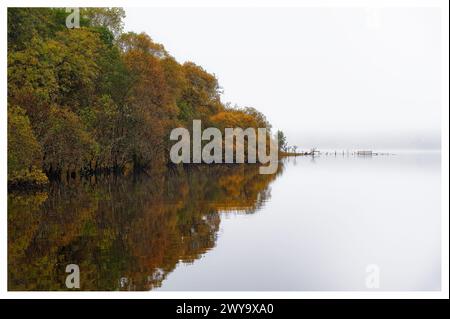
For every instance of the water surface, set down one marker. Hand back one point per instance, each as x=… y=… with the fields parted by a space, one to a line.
x=328 y=219
x=315 y=225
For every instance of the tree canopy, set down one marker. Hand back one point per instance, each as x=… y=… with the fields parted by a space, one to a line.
x=94 y=98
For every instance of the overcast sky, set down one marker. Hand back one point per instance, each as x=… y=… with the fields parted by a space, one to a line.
x=328 y=77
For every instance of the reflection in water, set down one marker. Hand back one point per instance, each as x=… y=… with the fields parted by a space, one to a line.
x=327 y=220
x=124 y=233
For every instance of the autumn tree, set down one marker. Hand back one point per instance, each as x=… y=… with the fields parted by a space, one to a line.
x=100 y=100
x=151 y=108
x=24 y=151
x=200 y=98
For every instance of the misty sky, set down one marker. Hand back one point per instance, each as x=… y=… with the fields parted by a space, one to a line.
x=328 y=77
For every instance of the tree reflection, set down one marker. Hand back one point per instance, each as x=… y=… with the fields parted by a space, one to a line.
x=125 y=233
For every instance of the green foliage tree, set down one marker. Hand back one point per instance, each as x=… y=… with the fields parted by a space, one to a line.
x=24 y=151
x=282 y=143
x=66 y=143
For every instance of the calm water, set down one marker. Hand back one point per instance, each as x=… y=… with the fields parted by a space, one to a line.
x=316 y=225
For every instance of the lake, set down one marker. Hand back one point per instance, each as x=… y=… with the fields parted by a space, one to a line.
x=323 y=223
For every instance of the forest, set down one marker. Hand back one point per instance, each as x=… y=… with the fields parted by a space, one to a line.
x=95 y=99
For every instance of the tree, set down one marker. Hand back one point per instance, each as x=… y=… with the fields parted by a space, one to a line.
x=66 y=143
x=152 y=111
x=200 y=98
x=97 y=99
x=24 y=24
x=110 y=18
x=24 y=151
x=259 y=117
x=282 y=144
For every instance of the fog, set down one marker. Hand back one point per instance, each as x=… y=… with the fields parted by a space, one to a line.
x=339 y=78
